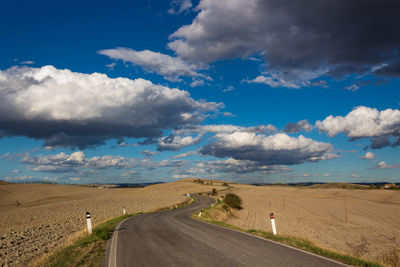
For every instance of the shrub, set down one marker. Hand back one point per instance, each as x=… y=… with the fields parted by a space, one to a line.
x=225 y=208
x=225 y=184
x=214 y=192
x=233 y=201
x=199 y=181
x=373 y=186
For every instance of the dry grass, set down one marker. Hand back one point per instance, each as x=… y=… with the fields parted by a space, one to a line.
x=373 y=222
x=50 y=216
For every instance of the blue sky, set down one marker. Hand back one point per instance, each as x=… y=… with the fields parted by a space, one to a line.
x=143 y=91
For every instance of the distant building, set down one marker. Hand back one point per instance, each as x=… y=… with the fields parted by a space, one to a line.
x=389 y=186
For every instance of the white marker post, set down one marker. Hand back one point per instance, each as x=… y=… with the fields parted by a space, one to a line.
x=272 y=217
x=200 y=214
x=124 y=211
x=89 y=223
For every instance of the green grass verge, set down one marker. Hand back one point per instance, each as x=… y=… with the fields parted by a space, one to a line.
x=295 y=242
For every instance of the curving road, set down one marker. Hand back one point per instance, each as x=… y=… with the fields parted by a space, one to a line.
x=171 y=238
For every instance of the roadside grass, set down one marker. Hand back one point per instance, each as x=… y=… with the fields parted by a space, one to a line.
x=292 y=241
x=89 y=250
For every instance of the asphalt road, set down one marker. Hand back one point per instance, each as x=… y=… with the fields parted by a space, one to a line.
x=171 y=238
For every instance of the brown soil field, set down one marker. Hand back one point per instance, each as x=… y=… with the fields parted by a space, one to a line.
x=48 y=216
x=372 y=230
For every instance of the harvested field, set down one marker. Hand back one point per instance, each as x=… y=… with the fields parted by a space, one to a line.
x=372 y=230
x=38 y=218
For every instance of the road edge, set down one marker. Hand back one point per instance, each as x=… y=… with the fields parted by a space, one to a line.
x=272 y=241
x=112 y=258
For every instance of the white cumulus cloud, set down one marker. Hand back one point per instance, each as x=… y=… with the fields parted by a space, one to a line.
x=369 y=155
x=63 y=162
x=277 y=149
x=70 y=109
x=174 y=142
x=171 y=68
x=384 y=165
x=365 y=122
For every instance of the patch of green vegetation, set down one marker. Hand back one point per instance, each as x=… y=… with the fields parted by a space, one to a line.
x=214 y=192
x=233 y=201
x=374 y=186
x=199 y=181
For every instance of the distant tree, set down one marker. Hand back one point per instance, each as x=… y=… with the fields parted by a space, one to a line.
x=199 y=181
x=225 y=184
x=214 y=192
x=233 y=201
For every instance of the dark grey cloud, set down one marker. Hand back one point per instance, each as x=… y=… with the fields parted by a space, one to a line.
x=240 y=166
x=295 y=37
x=69 y=109
x=224 y=128
x=302 y=125
x=278 y=149
x=391 y=70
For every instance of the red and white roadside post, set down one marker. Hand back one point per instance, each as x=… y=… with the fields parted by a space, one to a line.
x=272 y=217
x=89 y=223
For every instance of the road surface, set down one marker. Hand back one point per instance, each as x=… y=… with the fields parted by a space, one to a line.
x=171 y=238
